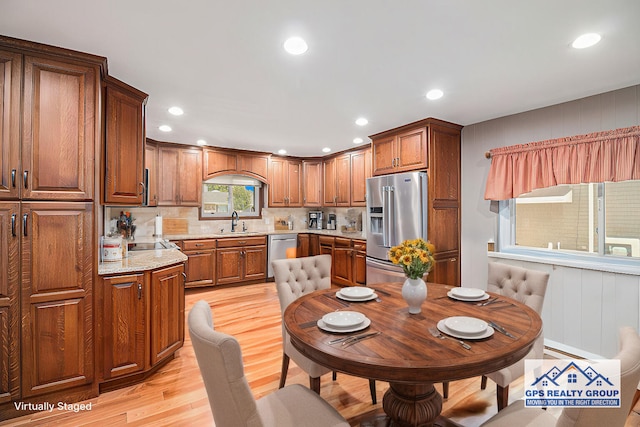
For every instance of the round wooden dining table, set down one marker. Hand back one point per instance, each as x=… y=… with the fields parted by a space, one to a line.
x=405 y=353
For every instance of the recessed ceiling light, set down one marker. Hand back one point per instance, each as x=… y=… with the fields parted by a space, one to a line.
x=282 y=151
x=586 y=40
x=434 y=94
x=295 y=45
x=357 y=140
x=165 y=128
x=176 y=111
x=361 y=121
x=201 y=142
x=326 y=149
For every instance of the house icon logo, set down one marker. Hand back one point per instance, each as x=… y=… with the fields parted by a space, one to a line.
x=572 y=383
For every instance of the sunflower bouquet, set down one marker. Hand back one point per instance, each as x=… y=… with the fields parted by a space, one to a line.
x=415 y=256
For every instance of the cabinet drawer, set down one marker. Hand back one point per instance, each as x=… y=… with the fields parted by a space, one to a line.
x=359 y=245
x=192 y=245
x=325 y=240
x=242 y=241
x=342 y=242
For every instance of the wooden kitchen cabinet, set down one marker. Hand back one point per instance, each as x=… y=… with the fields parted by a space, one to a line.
x=285 y=189
x=125 y=325
x=201 y=265
x=11 y=84
x=312 y=183
x=57 y=258
x=337 y=181
x=151 y=164
x=360 y=171
x=359 y=262
x=166 y=311
x=124 y=141
x=180 y=177
x=399 y=152
x=9 y=302
x=342 y=271
x=255 y=165
x=241 y=260
x=220 y=161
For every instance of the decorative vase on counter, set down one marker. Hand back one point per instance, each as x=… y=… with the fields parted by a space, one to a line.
x=414 y=292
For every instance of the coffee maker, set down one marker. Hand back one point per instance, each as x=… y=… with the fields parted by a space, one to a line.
x=315 y=220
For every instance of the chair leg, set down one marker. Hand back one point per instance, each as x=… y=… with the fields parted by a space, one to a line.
x=502 y=394
x=334 y=376
x=285 y=369
x=445 y=389
x=483 y=383
x=372 y=389
x=314 y=384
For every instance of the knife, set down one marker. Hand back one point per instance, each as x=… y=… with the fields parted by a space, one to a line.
x=354 y=340
x=500 y=329
x=337 y=340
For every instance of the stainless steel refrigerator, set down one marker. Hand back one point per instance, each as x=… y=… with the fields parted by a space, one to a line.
x=396 y=211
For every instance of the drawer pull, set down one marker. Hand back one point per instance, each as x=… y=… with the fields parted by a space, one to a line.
x=13 y=225
x=25 y=176
x=13 y=178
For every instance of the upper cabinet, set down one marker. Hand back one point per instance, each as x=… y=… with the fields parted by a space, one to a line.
x=180 y=176
x=401 y=151
x=151 y=165
x=46 y=155
x=124 y=139
x=312 y=183
x=223 y=162
x=285 y=182
x=360 y=171
x=337 y=181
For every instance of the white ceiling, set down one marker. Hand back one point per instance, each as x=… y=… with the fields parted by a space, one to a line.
x=223 y=62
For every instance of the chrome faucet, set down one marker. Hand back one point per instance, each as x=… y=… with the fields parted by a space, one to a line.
x=244 y=227
x=234 y=220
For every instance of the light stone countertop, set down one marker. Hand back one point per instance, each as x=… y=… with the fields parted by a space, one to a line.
x=138 y=261
x=360 y=235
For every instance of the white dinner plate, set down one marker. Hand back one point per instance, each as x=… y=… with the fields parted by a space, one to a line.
x=343 y=319
x=465 y=325
x=443 y=328
x=467 y=293
x=357 y=292
x=346 y=298
x=363 y=325
x=482 y=298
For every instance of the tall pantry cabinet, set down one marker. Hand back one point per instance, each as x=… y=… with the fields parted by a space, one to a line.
x=49 y=142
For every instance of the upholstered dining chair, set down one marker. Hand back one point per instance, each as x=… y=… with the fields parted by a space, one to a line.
x=517 y=414
x=525 y=286
x=295 y=277
x=232 y=403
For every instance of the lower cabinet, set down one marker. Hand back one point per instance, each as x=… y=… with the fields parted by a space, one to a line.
x=241 y=260
x=201 y=265
x=141 y=321
x=348 y=260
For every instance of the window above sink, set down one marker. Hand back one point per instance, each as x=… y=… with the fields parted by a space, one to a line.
x=224 y=194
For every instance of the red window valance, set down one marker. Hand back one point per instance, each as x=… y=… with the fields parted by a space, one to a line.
x=596 y=157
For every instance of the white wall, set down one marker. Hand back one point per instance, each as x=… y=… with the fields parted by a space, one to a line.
x=611 y=110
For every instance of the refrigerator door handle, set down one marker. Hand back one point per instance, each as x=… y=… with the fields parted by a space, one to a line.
x=389 y=216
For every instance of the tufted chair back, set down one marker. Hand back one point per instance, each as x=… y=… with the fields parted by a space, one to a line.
x=525 y=286
x=295 y=277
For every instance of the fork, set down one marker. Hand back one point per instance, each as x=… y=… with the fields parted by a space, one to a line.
x=436 y=333
x=491 y=301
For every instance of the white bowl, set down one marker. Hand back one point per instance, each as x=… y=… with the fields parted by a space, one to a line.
x=467 y=293
x=343 y=319
x=356 y=292
x=466 y=325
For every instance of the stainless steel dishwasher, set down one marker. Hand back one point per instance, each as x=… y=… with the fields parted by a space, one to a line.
x=278 y=245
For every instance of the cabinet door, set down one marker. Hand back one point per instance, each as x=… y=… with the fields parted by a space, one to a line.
x=383 y=155
x=411 y=150
x=359 y=262
x=294 y=183
x=124 y=140
x=10 y=91
x=254 y=165
x=312 y=183
x=190 y=177
x=167 y=312
x=151 y=164
x=217 y=162
x=228 y=265
x=9 y=302
x=343 y=180
x=302 y=249
x=59 y=130
x=360 y=171
x=124 y=325
x=200 y=268
x=329 y=188
x=168 y=176
x=57 y=258
x=255 y=263
x=446 y=270
x=278 y=183
x=342 y=262
x=314 y=245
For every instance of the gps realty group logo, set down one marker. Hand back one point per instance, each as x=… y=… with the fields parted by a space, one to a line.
x=572 y=383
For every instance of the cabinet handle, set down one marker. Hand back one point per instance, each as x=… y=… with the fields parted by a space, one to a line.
x=199 y=245
x=184 y=277
x=453 y=259
x=143 y=188
x=139 y=290
x=24 y=224
x=13 y=225
x=13 y=178
x=242 y=242
x=25 y=176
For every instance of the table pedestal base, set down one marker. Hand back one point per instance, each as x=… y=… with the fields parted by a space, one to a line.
x=412 y=405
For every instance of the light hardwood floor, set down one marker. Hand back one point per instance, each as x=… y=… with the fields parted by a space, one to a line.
x=175 y=395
